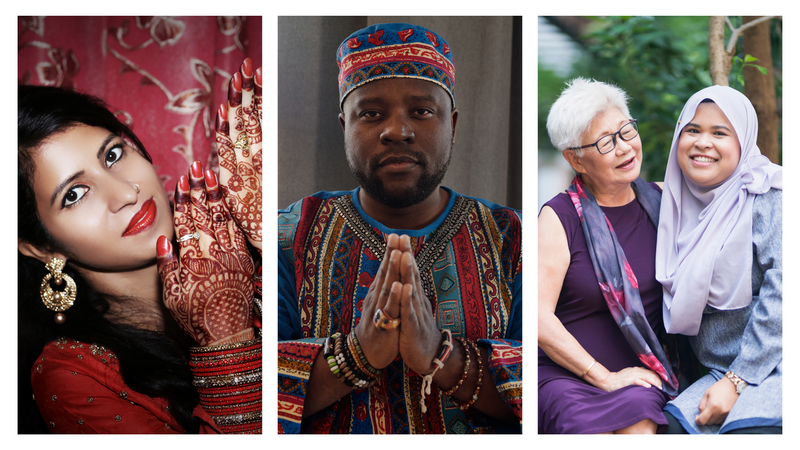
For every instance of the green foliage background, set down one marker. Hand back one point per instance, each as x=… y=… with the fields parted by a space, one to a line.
x=659 y=61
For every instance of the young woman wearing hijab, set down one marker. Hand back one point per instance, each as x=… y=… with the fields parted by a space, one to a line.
x=719 y=260
x=146 y=339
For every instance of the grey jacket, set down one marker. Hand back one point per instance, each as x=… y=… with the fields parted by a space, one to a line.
x=747 y=341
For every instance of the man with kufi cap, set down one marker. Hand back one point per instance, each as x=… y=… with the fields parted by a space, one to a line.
x=400 y=302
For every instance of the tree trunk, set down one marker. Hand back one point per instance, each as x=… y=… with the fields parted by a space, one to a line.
x=719 y=60
x=760 y=89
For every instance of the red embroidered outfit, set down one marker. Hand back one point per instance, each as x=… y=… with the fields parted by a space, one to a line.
x=78 y=388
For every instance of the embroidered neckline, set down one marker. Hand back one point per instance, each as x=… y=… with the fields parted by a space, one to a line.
x=431 y=249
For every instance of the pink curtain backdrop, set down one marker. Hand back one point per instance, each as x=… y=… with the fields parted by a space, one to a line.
x=163 y=76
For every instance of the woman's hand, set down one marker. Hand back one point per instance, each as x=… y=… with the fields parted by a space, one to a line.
x=628 y=376
x=717 y=402
x=239 y=148
x=380 y=347
x=208 y=284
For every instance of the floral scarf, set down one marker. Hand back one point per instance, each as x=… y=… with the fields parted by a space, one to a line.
x=617 y=281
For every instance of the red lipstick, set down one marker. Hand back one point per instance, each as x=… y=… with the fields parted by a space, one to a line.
x=143 y=219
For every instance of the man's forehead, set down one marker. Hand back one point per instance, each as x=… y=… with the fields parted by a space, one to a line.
x=397 y=89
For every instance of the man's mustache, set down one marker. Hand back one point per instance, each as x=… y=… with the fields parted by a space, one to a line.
x=398 y=155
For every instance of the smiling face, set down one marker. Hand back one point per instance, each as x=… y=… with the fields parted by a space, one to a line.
x=398 y=135
x=615 y=169
x=86 y=199
x=708 y=148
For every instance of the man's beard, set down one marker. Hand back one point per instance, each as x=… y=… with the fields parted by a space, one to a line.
x=402 y=198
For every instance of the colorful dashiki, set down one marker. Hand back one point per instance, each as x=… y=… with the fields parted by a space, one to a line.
x=329 y=252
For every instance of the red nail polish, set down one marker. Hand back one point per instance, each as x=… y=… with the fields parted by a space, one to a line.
x=197 y=169
x=257 y=79
x=163 y=246
x=235 y=90
x=211 y=179
x=222 y=119
x=237 y=81
x=183 y=183
x=247 y=67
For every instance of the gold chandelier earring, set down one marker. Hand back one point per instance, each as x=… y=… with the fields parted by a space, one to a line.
x=57 y=301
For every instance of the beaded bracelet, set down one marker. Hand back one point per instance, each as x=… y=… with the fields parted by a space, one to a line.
x=347 y=365
x=359 y=354
x=464 y=406
x=359 y=369
x=341 y=361
x=330 y=356
x=361 y=378
x=343 y=364
x=453 y=389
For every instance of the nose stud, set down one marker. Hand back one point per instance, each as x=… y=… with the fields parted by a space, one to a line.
x=136 y=186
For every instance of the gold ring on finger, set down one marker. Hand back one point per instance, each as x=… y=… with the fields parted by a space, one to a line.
x=384 y=321
x=242 y=143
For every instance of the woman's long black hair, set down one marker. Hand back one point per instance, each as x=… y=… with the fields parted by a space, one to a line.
x=151 y=363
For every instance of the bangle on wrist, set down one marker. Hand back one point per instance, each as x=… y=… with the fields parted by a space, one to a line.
x=228 y=382
x=594 y=361
x=427 y=380
x=466 y=405
x=453 y=389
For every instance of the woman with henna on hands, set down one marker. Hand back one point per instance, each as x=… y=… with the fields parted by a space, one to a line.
x=92 y=210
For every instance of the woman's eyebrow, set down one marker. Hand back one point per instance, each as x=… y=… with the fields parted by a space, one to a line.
x=103 y=146
x=713 y=127
x=72 y=178
x=63 y=184
x=721 y=127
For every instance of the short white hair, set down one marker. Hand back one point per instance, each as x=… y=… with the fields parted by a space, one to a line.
x=572 y=114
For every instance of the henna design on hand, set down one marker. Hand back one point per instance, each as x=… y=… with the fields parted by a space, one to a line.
x=208 y=287
x=241 y=165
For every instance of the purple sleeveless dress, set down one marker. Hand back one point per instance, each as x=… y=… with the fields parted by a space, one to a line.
x=567 y=404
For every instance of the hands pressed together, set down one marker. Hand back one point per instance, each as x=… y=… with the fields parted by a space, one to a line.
x=208 y=281
x=397 y=291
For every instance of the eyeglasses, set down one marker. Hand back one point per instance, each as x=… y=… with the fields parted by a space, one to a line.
x=608 y=142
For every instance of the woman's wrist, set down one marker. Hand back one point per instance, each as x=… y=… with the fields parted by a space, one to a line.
x=228 y=382
x=241 y=336
x=598 y=376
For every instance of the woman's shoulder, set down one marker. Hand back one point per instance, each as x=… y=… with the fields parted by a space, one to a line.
x=66 y=356
x=768 y=218
x=565 y=213
x=78 y=388
x=657 y=185
x=561 y=204
x=768 y=201
x=564 y=209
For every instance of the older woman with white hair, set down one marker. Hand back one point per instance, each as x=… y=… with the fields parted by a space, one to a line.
x=601 y=366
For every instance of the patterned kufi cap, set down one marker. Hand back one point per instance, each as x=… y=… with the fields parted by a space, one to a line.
x=394 y=50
